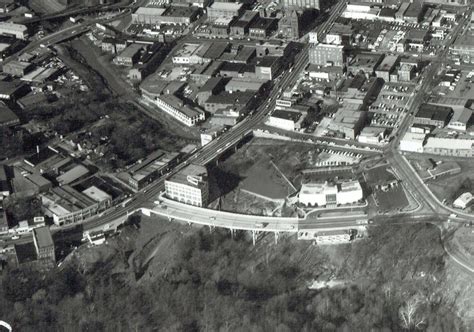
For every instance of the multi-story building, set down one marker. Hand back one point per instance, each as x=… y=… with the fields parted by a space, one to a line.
x=44 y=245
x=288 y=26
x=4 y=182
x=148 y=15
x=262 y=27
x=387 y=67
x=241 y=26
x=175 y=107
x=406 y=72
x=19 y=31
x=268 y=68
x=300 y=4
x=327 y=54
x=129 y=56
x=224 y=9
x=189 y=186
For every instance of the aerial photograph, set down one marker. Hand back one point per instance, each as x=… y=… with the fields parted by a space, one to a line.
x=236 y=165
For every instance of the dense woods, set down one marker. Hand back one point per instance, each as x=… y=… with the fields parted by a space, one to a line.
x=215 y=283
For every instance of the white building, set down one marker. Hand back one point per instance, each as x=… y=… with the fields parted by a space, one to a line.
x=463 y=201
x=349 y=192
x=177 y=109
x=287 y=120
x=460 y=119
x=325 y=194
x=371 y=135
x=189 y=186
x=18 y=30
x=333 y=237
x=412 y=142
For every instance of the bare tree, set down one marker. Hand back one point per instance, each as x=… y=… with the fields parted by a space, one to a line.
x=409 y=314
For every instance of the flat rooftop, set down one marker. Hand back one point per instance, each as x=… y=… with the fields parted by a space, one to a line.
x=43 y=237
x=287 y=115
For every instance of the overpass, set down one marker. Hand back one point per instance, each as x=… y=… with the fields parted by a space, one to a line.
x=174 y=210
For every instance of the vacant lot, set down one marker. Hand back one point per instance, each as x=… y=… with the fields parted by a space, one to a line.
x=394 y=199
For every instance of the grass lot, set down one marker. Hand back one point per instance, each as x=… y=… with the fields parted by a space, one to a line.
x=393 y=199
x=379 y=175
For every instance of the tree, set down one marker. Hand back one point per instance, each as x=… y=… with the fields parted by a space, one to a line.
x=410 y=315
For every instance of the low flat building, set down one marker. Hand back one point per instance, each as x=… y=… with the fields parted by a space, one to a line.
x=236 y=101
x=244 y=84
x=13 y=90
x=154 y=166
x=461 y=119
x=365 y=62
x=429 y=114
x=17 y=68
x=65 y=205
x=349 y=121
x=413 y=142
x=19 y=31
x=129 y=56
x=333 y=237
x=372 y=135
x=75 y=173
x=330 y=194
x=189 y=186
x=463 y=201
x=286 y=120
x=7 y=117
x=449 y=147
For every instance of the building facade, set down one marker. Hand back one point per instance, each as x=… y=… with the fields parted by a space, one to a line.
x=189 y=186
x=327 y=54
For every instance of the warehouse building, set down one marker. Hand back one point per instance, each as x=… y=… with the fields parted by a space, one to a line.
x=17 y=68
x=19 y=31
x=154 y=166
x=7 y=117
x=286 y=120
x=66 y=205
x=429 y=114
x=450 y=147
x=189 y=186
x=413 y=142
x=129 y=56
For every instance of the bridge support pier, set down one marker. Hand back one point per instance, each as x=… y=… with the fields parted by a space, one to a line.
x=232 y=233
x=277 y=235
x=254 y=237
x=211 y=229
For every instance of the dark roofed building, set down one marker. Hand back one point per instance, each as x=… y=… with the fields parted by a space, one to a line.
x=429 y=114
x=213 y=86
x=7 y=117
x=262 y=27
